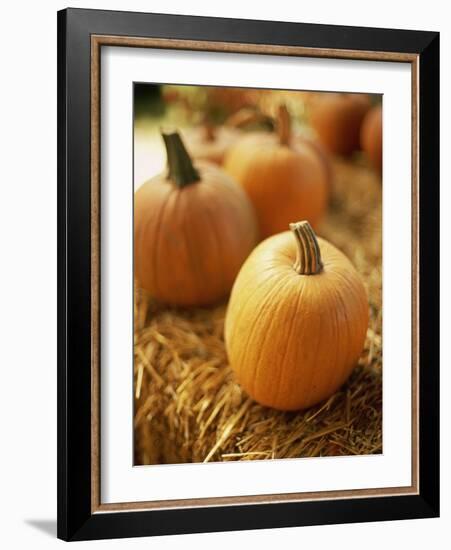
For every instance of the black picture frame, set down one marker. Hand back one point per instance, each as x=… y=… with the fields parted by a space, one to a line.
x=76 y=519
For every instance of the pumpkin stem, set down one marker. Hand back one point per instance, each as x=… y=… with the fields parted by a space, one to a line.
x=209 y=132
x=208 y=128
x=283 y=124
x=180 y=167
x=308 y=255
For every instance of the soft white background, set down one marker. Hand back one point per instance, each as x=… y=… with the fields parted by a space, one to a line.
x=28 y=274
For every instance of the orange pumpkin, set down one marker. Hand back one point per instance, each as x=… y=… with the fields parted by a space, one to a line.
x=193 y=228
x=208 y=143
x=296 y=320
x=322 y=154
x=283 y=176
x=211 y=142
x=337 y=119
x=371 y=136
x=232 y=99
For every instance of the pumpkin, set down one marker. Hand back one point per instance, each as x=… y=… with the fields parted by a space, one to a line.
x=296 y=320
x=337 y=118
x=232 y=99
x=283 y=176
x=371 y=136
x=210 y=143
x=322 y=154
x=193 y=228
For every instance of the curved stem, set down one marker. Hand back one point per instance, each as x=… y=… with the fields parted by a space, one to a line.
x=308 y=255
x=283 y=125
x=208 y=127
x=180 y=167
x=209 y=132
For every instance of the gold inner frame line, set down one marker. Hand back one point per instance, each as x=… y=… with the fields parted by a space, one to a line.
x=97 y=41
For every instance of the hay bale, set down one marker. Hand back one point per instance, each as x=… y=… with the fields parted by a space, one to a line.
x=188 y=406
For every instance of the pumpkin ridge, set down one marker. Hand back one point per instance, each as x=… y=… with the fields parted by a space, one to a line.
x=336 y=336
x=339 y=297
x=140 y=234
x=237 y=201
x=210 y=216
x=251 y=295
x=217 y=238
x=243 y=309
x=175 y=215
x=310 y=387
x=288 y=340
x=269 y=296
x=331 y=294
x=158 y=224
x=193 y=257
x=268 y=268
x=159 y=244
x=351 y=359
x=352 y=288
x=315 y=370
x=144 y=232
x=307 y=387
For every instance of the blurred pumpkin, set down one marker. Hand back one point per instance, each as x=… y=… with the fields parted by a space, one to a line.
x=337 y=118
x=193 y=229
x=296 y=320
x=371 y=136
x=283 y=176
x=210 y=143
x=322 y=154
x=232 y=99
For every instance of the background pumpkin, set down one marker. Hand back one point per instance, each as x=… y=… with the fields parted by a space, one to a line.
x=296 y=321
x=371 y=136
x=193 y=228
x=322 y=154
x=337 y=118
x=283 y=176
x=210 y=143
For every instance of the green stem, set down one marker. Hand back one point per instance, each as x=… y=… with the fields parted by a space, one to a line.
x=180 y=167
x=308 y=255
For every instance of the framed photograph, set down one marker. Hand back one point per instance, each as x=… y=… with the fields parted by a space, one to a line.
x=248 y=274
